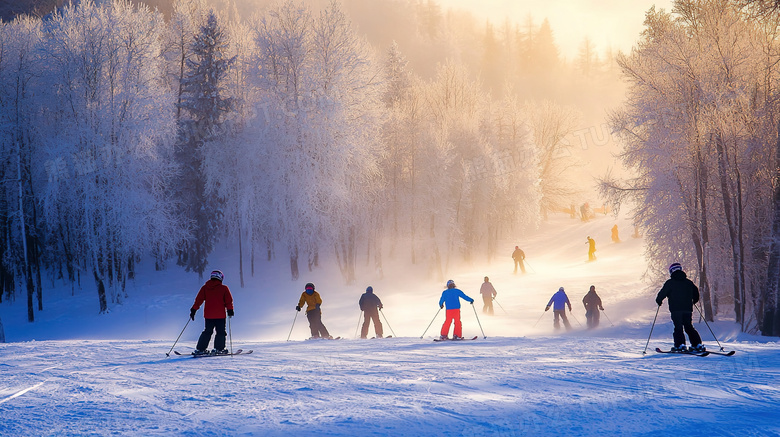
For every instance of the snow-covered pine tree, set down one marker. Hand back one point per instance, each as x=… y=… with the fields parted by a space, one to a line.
x=207 y=105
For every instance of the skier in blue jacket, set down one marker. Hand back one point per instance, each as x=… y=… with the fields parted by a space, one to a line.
x=559 y=301
x=451 y=297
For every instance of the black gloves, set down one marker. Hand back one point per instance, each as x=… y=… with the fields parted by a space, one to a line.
x=441 y=306
x=547 y=308
x=472 y=302
x=297 y=308
x=230 y=313
x=192 y=313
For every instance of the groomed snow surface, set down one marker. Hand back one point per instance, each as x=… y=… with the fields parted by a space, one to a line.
x=74 y=372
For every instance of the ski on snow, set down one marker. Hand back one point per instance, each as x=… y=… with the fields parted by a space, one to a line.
x=238 y=352
x=698 y=354
x=450 y=339
x=323 y=338
x=724 y=353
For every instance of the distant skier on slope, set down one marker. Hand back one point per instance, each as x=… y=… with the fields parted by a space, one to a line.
x=592 y=303
x=313 y=311
x=615 y=236
x=682 y=294
x=218 y=299
x=559 y=300
x=518 y=255
x=451 y=297
x=591 y=249
x=488 y=294
x=370 y=305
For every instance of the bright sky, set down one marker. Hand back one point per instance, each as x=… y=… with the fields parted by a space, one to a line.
x=608 y=23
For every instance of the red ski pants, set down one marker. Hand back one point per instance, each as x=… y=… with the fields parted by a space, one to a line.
x=452 y=316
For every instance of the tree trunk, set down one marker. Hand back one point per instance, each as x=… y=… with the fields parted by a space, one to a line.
x=101 y=289
x=732 y=229
x=768 y=311
x=294 y=264
x=2 y=332
x=702 y=251
x=240 y=258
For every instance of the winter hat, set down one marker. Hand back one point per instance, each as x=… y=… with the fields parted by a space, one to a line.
x=369 y=289
x=216 y=274
x=674 y=267
x=309 y=285
x=560 y=289
x=450 y=284
x=517 y=247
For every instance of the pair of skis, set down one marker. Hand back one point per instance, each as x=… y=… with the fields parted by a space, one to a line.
x=698 y=354
x=453 y=339
x=238 y=352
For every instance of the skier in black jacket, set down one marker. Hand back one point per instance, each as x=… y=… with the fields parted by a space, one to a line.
x=370 y=305
x=682 y=294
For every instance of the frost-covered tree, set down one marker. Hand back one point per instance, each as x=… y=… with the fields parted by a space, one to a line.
x=315 y=76
x=20 y=64
x=178 y=43
x=551 y=124
x=109 y=121
x=697 y=118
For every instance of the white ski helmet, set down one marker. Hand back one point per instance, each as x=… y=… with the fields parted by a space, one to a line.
x=216 y=274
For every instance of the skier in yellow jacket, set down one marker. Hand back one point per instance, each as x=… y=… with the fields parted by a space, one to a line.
x=313 y=311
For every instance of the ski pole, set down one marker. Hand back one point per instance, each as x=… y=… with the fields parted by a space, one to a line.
x=708 y=327
x=529 y=265
x=480 y=324
x=651 y=329
x=575 y=318
x=358 y=324
x=429 y=325
x=293 y=325
x=540 y=319
x=177 y=338
x=230 y=336
x=388 y=323
x=499 y=305
x=605 y=315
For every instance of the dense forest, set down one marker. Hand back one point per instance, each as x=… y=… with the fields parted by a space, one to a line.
x=151 y=131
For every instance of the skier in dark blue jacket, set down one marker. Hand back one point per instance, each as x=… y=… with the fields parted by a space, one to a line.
x=451 y=297
x=682 y=294
x=370 y=305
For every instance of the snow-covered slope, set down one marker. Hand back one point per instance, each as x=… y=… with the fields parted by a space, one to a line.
x=88 y=374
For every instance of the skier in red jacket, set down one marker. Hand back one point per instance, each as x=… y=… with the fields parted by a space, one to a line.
x=218 y=298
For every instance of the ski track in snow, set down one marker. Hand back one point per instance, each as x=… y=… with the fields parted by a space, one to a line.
x=103 y=375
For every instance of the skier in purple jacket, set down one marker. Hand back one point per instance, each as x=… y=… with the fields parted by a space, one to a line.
x=559 y=301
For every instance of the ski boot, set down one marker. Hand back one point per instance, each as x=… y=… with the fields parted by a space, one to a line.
x=200 y=352
x=680 y=348
x=699 y=348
